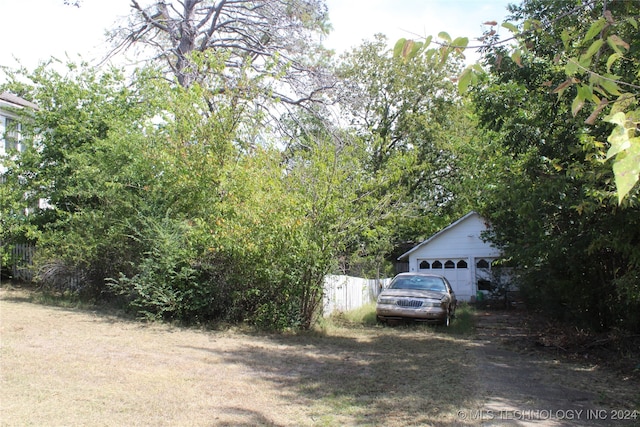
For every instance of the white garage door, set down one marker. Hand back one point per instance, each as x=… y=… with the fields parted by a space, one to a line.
x=457 y=272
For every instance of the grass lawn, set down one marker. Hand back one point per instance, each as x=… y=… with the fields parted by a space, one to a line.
x=68 y=366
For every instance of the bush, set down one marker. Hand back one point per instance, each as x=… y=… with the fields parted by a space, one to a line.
x=170 y=283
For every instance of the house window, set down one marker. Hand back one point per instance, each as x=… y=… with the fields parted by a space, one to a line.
x=462 y=264
x=11 y=135
x=424 y=265
x=449 y=264
x=436 y=264
x=482 y=264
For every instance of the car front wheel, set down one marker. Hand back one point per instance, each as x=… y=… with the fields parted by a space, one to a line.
x=447 y=320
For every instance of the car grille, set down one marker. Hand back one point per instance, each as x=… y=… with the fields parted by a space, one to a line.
x=409 y=303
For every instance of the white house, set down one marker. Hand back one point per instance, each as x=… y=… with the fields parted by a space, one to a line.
x=10 y=126
x=11 y=132
x=459 y=253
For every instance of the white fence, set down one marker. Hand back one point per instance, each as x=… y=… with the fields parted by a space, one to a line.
x=344 y=293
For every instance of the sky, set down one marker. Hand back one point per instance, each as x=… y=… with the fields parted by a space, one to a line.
x=35 y=30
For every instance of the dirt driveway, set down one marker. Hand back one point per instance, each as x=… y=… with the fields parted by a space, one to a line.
x=523 y=387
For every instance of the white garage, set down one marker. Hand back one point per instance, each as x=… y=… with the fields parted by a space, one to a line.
x=458 y=253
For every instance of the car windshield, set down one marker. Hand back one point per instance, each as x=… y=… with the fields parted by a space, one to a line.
x=418 y=282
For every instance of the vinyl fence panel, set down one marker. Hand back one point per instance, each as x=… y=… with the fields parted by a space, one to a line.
x=345 y=293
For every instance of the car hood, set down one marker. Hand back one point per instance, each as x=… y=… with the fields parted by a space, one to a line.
x=412 y=293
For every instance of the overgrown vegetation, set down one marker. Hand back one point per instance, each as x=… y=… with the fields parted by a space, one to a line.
x=553 y=203
x=198 y=192
x=558 y=162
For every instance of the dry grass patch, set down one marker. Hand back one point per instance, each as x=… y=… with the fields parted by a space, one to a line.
x=79 y=367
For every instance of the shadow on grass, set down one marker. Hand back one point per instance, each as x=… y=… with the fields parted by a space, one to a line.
x=254 y=418
x=408 y=375
x=369 y=375
x=24 y=293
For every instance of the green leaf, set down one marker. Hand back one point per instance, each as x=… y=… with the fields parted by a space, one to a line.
x=407 y=49
x=626 y=168
x=511 y=27
x=585 y=92
x=460 y=42
x=572 y=67
x=613 y=58
x=399 y=46
x=413 y=50
x=584 y=61
x=465 y=80
x=595 y=47
x=444 y=36
x=610 y=86
x=444 y=54
x=566 y=37
x=622 y=104
x=595 y=29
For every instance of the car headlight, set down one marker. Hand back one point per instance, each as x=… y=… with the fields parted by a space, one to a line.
x=431 y=303
x=386 y=301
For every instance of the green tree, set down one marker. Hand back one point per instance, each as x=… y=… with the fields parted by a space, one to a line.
x=554 y=205
x=298 y=215
x=592 y=44
x=76 y=115
x=170 y=210
x=601 y=63
x=116 y=161
x=406 y=114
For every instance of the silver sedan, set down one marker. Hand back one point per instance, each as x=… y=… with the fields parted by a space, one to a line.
x=419 y=297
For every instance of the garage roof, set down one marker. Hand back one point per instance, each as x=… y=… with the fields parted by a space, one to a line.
x=450 y=226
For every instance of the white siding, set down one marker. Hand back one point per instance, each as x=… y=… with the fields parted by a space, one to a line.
x=460 y=243
x=2 y=131
x=5 y=118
